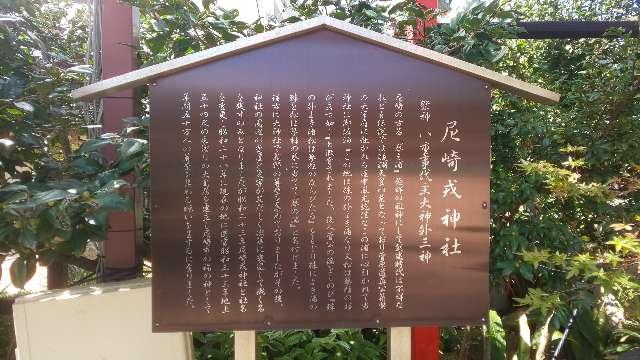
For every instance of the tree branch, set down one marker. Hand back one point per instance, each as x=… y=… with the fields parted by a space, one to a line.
x=81 y=262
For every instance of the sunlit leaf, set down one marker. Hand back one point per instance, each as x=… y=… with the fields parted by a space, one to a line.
x=24 y=106
x=93 y=145
x=524 y=342
x=497 y=336
x=82 y=69
x=45 y=197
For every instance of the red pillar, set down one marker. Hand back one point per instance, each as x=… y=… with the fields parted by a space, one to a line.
x=429 y=4
x=425 y=341
x=118 y=57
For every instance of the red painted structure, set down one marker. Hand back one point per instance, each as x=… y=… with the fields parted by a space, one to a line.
x=425 y=341
x=118 y=57
x=429 y=4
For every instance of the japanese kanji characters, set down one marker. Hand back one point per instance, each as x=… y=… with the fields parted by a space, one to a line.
x=205 y=177
x=188 y=210
x=424 y=183
x=450 y=159
x=329 y=196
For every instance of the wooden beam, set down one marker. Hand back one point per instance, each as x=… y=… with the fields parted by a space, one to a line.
x=399 y=343
x=148 y=74
x=244 y=345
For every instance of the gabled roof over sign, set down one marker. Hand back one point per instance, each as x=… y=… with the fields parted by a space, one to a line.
x=148 y=74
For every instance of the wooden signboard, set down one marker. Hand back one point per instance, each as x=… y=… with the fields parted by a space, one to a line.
x=319 y=181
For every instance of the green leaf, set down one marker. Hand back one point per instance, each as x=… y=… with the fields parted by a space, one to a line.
x=258 y=27
x=370 y=13
x=492 y=6
x=112 y=201
x=504 y=14
x=395 y=8
x=81 y=69
x=587 y=336
x=78 y=240
x=207 y=4
x=22 y=270
x=76 y=186
x=557 y=335
x=131 y=147
x=93 y=145
x=535 y=257
x=13 y=192
x=182 y=45
x=9 y=18
x=625 y=244
x=86 y=166
x=23 y=105
x=114 y=185
x=28 y=238
x=538 y=299
x=526 y=270
x=230 y=14
x=48 y=196
x=496 y=335
x=159 y=25
x=29 y=140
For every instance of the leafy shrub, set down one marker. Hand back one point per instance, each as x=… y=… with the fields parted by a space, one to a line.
x=352 y=344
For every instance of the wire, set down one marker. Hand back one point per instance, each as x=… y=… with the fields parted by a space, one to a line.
x=564 y=335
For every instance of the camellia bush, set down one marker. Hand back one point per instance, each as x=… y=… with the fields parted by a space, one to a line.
x=56 y=188
x=565 y=199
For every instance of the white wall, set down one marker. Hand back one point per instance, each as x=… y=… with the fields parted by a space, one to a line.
x=110 y=322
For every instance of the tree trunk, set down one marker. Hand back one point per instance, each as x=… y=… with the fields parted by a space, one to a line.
x=57 y=276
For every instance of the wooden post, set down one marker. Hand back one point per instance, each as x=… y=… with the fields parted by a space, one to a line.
x=399 y=343
x=244 y=345
x=118 y=57
x=57 y=275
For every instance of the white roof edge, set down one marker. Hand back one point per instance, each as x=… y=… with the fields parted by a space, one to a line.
x=148 y=74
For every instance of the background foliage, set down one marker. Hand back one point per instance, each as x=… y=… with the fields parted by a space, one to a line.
x=565 y=205
x=352 y=344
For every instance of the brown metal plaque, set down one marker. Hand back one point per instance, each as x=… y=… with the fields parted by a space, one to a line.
x=319 y=182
